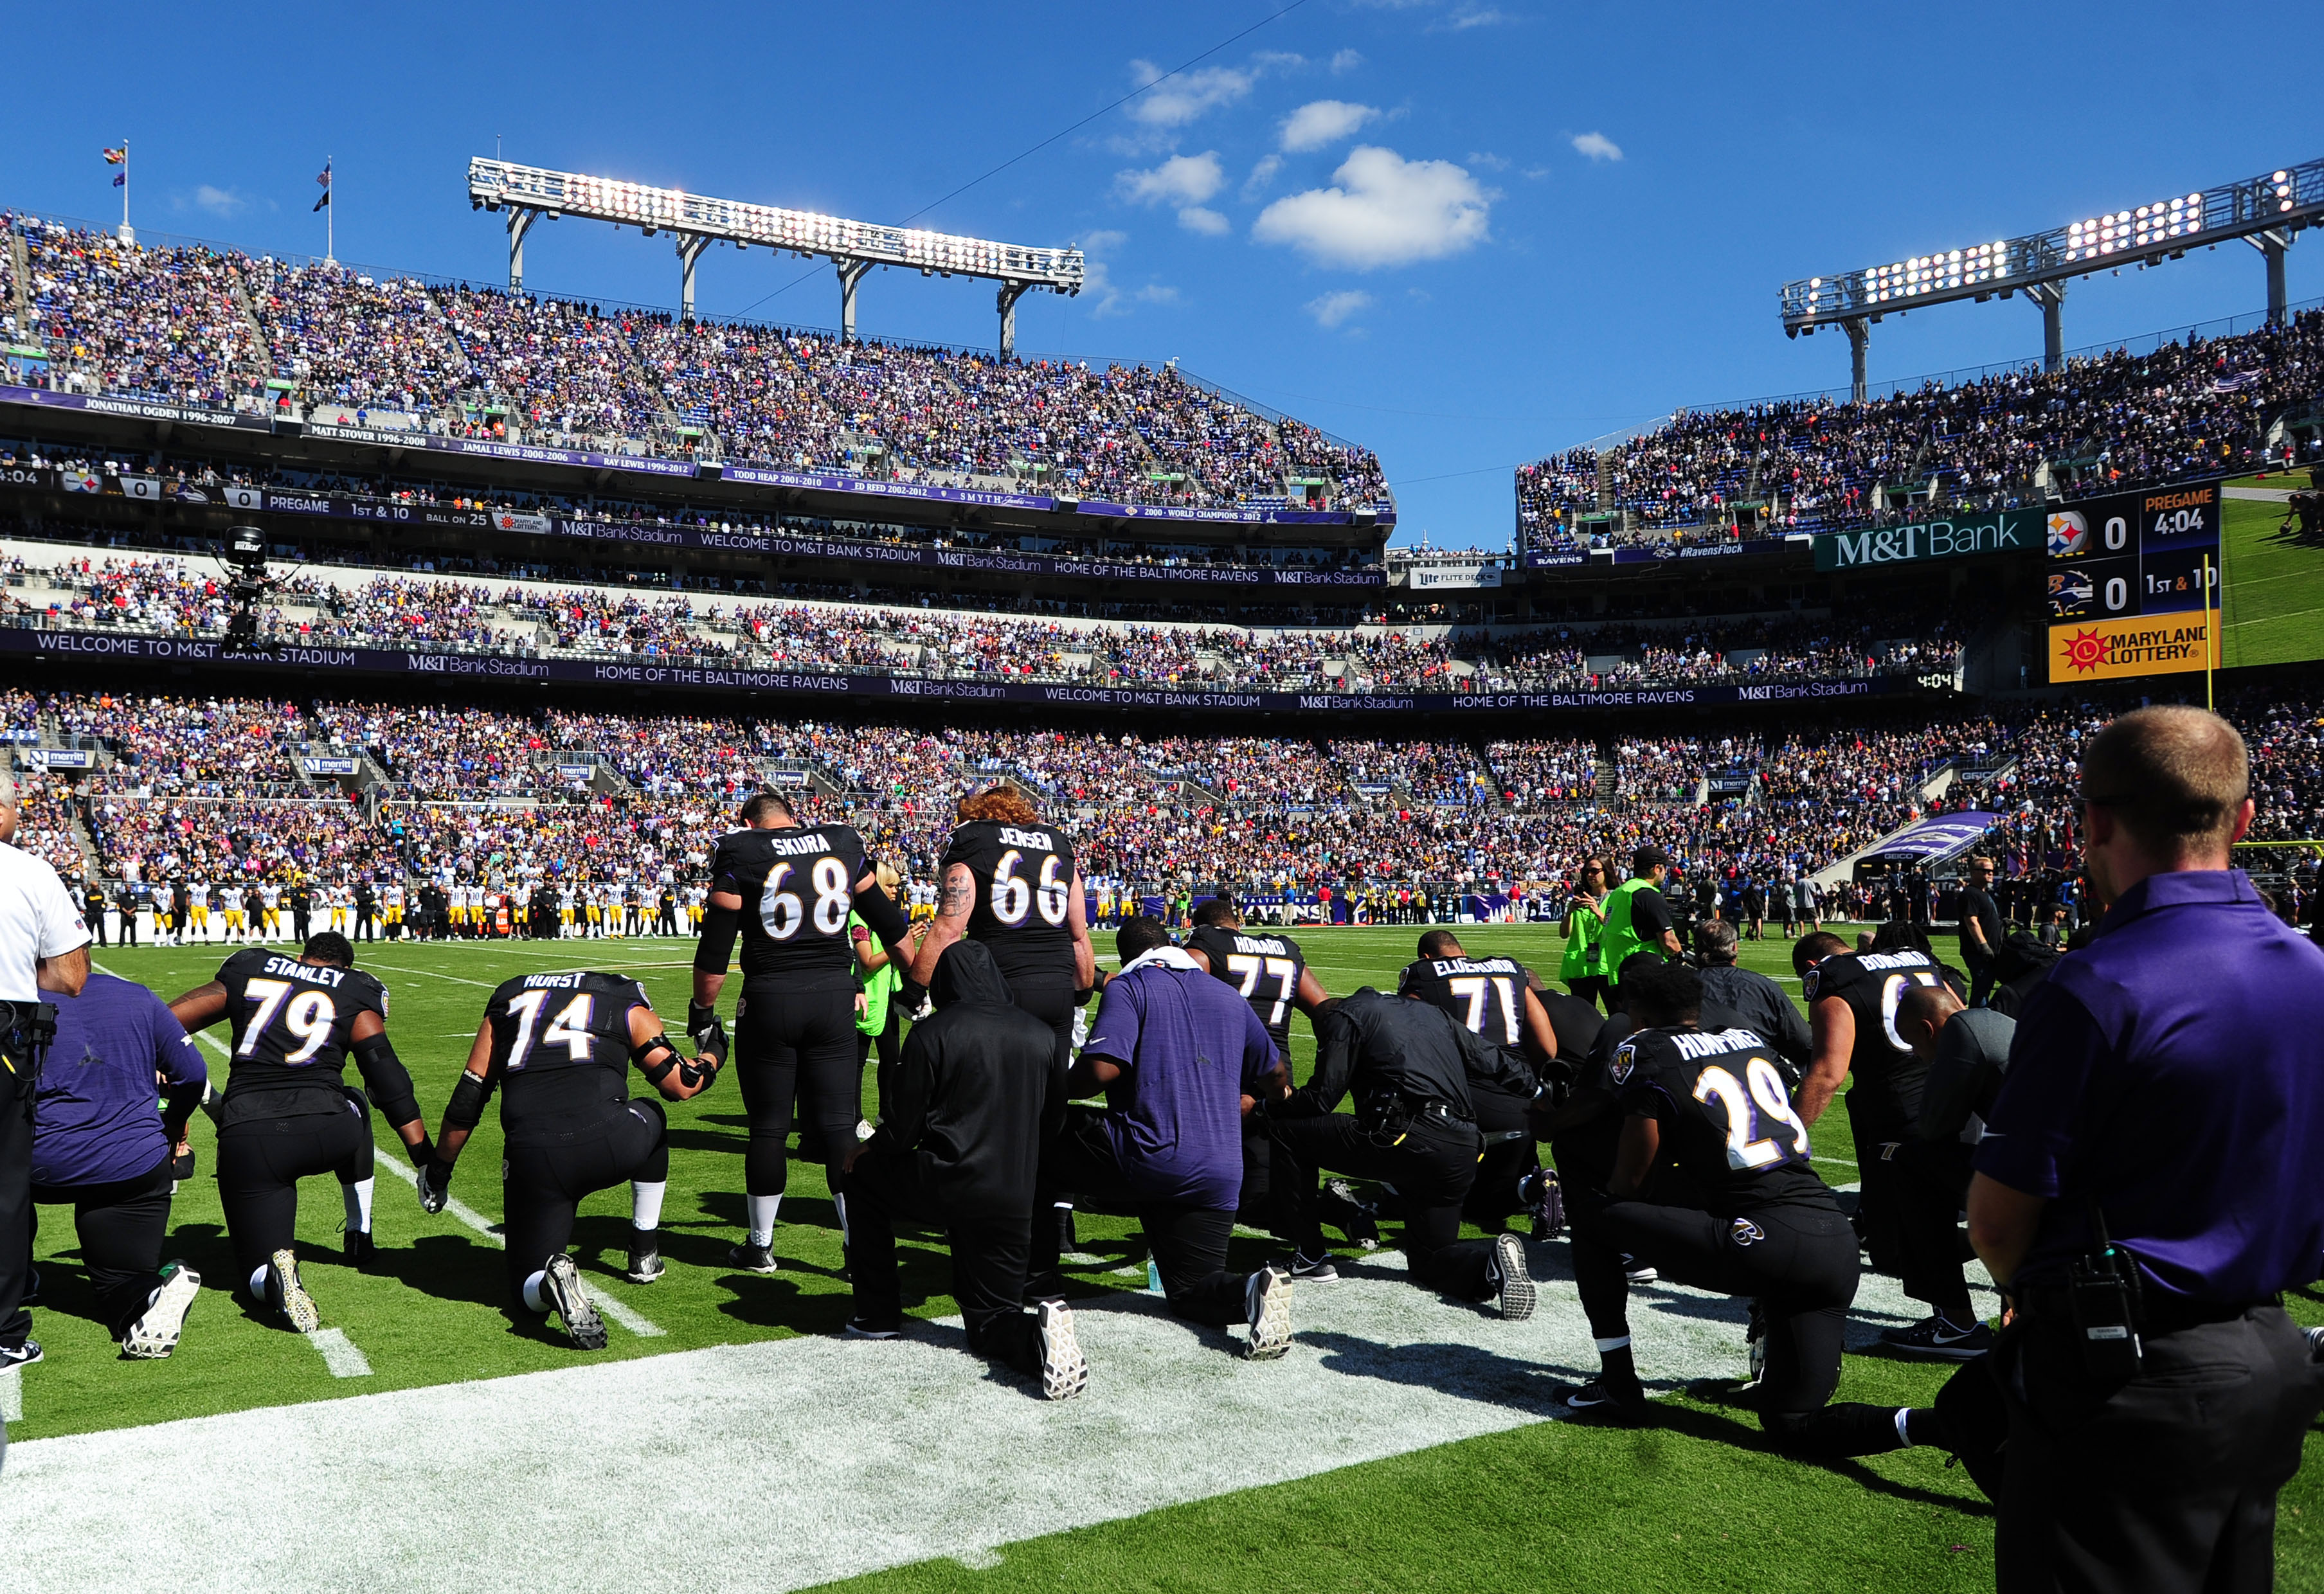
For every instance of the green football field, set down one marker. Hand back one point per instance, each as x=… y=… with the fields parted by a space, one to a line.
x=1692 y=1501
x=2273 y=591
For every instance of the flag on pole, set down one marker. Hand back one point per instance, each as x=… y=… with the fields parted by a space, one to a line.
x=324 y=176
x=119 y=157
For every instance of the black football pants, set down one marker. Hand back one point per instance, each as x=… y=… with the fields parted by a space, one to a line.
x=261 y=1161
x=796 y=1045
x=1052 y=1005
x=1433 y=1168
x=15 y=1205
x=547 y=1177
x=1188 y=1242
x=1929 y=1184
x=2165 y=1483
x=988 y=1255
x=120 y=1226
x=1797 y=1261
x=1879 y=1140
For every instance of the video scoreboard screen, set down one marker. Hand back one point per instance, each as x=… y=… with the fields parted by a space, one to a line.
x=2125 y=583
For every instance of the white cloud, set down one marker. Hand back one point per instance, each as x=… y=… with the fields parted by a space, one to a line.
x=1186 y=97
x=1322 y=123
x=1103 y=241
x=1489 y=160
x=1382 y=210
x=1182 y=179
x=219 y=201
x=1597 y=146
x=1346 y=60
x=1261 y=175
x=1194 y=218
x=1108 y=297
x=1333 y=308
x=1473 y=17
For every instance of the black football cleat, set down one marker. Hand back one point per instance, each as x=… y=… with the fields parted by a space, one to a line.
x=645 y=1257
x=753 y=1259
x=361 y=1252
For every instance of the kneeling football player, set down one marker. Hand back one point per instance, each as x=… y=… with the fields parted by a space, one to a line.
x=1712 y=1187
x=286 y=1113
x=559 y=1047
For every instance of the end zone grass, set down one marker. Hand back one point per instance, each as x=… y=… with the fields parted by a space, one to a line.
x=1692 y=1502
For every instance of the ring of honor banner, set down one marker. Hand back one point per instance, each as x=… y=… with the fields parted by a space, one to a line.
x=2124 y=578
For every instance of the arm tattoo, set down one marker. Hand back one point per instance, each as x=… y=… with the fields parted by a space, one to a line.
x=959 y=891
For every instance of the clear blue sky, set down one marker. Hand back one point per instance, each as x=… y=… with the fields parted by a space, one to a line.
x=1463 y=231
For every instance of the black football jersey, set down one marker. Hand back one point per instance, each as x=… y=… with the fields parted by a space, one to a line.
x=1485 y=995
x=1266 y=969
x=561 y=1043
x=1024 y=877
x=797 y=887
x=1728 y=1124
x=1886 y=1075
x=291 y=1021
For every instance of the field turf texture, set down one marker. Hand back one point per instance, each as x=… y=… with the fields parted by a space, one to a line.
x=1695 y=1501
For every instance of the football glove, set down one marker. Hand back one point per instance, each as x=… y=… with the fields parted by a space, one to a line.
x=435 y=1185
x=703 y=1027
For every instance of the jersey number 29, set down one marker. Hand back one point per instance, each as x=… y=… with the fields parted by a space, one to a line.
x=1761 y=1104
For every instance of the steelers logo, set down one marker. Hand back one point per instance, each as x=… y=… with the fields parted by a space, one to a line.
x=2069 y=533
x=2086 y=650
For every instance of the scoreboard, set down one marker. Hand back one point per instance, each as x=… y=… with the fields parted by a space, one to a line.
x=2125 y=584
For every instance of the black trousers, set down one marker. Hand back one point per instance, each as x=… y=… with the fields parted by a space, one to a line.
x=890 y=1044
x=1494 y=1195
x=1052 y=1005
x=364 y=919
x=1879 y=1140
x=545 y=1178
x=97 y=925
x=128 y=936
x=1432 y=1168
x=15 y=1205
x=796 y=1045
x=988 y=1255
x=2167 y=1482
x=1930 y=1183
x=120 y=1226
x=1188 y=1242
x=1797 y=1261
x=260 y=1162
x=299 y=916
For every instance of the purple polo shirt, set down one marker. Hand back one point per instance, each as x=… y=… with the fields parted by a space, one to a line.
x=1189 y=1046
x=2175 y=1068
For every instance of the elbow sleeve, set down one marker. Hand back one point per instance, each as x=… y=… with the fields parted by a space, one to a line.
x=389 y=1081
x=465 y=1110
x=883 y=917
x=720 y=926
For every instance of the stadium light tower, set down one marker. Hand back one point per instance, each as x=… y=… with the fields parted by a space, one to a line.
x=528 y=193
x=2266 y=212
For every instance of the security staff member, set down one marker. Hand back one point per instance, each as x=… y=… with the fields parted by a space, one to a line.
x=1637 y=918
x=43 y=946
x=1583 y=966
x=1980 y=929
x=1760 y=1000
x=2166 y=1082
x=1409 y=1066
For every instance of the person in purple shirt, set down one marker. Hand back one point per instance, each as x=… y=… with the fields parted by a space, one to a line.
x=121 y=1079
x=2168 y=1081
x=1180 y=1056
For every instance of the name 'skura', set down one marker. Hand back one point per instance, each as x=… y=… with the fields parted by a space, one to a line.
x=1033 y=841
x=801 y=846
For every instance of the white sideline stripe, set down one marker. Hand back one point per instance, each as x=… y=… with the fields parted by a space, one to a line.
x=856 y=1455
x=12 y=1395
x=342 y=1355
x=637 y=1323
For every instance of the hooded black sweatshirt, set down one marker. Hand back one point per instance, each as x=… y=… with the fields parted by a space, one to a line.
x=977 y=1091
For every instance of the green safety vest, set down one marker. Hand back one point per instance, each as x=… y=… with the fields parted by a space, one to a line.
x=1620 y=939
x=1585 y=953
x=877 y=986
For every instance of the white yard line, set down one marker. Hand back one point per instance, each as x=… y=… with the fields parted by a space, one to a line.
x=342 y=1355
x=856 y=1455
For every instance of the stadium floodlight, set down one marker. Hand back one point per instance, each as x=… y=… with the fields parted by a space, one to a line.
x=2266 y=211
x=530 y=192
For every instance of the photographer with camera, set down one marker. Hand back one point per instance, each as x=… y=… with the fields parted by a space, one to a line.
x=2145 y=1191
x=43 y=946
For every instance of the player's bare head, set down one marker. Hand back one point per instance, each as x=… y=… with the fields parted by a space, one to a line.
x=1715 y=939
x=768 y=810
x=1922 y=1010
x=1811 y=949
x=330 y=949
x=2173 y=776
x=1218 y=910
x=1006 y=804
x=1662 y=993
x=1139 y=935
x=1900 y=935
x=1440 y=944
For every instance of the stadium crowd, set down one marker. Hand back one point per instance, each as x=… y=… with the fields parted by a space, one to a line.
x=2186 y=408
